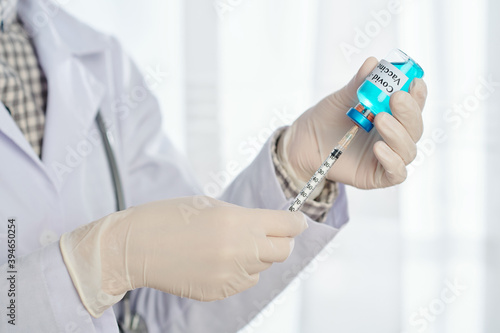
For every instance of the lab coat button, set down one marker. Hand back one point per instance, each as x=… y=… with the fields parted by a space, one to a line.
x=47 y=237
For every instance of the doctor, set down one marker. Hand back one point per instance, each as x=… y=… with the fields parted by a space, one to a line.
x=74 y=258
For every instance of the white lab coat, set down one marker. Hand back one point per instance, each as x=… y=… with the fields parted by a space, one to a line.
x=88 y=71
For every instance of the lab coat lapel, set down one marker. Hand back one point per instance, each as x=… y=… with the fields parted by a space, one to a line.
x=74 y=94
x=73 y=102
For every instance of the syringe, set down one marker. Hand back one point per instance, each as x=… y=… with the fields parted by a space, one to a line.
x=323 y=169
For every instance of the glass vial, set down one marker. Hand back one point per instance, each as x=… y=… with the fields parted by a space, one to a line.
x=395 y=72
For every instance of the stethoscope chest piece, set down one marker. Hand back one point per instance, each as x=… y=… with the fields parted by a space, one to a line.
x=136 y=325
x=131 y=322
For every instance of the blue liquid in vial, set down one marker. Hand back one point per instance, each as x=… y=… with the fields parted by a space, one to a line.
x=375 y=99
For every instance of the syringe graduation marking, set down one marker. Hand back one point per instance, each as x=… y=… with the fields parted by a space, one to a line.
x=323 y=170
x=336 y=153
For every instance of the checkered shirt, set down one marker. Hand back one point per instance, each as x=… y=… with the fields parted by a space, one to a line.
x=316 y=209
x=23 y=87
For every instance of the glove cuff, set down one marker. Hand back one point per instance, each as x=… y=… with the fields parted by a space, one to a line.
x=81 y=252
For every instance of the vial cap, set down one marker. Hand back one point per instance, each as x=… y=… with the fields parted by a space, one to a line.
x=359 y=119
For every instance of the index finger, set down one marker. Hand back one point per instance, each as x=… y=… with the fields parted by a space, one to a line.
x=418 y=90
x=280 y=223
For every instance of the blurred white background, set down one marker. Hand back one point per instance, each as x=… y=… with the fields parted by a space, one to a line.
x=240 y=68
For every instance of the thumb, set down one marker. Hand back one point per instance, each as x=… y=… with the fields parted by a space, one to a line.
x=347 y=97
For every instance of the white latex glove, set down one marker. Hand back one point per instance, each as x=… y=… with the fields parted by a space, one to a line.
x=195 y=247
x=373 y=160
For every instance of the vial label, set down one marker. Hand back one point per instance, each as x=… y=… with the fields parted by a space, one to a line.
x=387 y=77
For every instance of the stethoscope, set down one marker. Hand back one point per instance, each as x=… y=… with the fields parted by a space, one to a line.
x=130 y=322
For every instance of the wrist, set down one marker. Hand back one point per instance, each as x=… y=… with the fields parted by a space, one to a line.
x=114 y=275
x=85 y=254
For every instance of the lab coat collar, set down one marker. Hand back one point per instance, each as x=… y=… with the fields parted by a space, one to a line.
x=74 y=93
x=42 y=17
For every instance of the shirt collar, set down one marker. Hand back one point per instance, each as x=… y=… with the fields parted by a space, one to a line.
x=7 y=13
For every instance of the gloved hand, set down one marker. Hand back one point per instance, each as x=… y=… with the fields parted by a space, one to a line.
x=373 y=160
x=195 y=247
